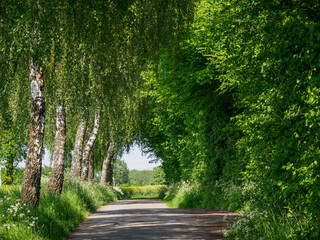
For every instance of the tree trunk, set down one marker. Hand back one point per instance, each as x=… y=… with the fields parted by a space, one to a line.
x=103 y=179
x=57 y=174
x=30 y=191
x=89 y=146
x=107 y=167
x=91 y=166
x=78 y=147
x=110 y=172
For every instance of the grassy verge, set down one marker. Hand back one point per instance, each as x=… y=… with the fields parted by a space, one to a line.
x=149 y=191
x=56 y=216
x=256 y=220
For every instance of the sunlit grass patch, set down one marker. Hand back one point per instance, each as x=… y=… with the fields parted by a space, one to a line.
x=56 y=216
x=17 y=221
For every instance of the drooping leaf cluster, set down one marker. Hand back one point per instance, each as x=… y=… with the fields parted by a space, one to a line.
x=92 y=53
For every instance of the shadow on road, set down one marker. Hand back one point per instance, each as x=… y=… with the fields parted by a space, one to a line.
x=150 y=219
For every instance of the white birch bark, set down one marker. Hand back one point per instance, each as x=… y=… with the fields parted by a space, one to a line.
x=57 y=174
x=89 y=146
x=30 y=191
x=107 y=165
x=78 y=147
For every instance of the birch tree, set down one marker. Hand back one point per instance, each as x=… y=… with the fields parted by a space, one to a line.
x=78 y=148
x=89 y=146
x=57 y=174
x=106 y=175
x=30 y=191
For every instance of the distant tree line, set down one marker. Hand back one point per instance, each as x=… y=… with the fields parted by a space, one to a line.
x=125 y=177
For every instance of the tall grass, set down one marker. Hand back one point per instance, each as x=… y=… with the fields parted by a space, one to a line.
x=149 y=191
x=256 y=220
x=264 y=225
x=56 y=216
x=222 y=195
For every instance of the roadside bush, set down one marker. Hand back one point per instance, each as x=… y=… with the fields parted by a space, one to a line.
x=222 y=195
x=257 y=219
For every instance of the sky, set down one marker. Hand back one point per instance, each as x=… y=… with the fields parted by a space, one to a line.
x=136 y=160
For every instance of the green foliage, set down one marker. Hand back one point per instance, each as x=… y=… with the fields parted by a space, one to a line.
x=46 y=171
x=230 y=103
x=237 y=101
x=120 y=172
x=56 y=216
x=147 y=191
x=92 y=54
x=221 y=195
x=258 y=224
x=17 y=175
x=158 y=176
x=140 y=177
x=147 y=177
x=12 y=149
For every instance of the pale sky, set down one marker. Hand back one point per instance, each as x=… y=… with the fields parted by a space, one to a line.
x=135 y=160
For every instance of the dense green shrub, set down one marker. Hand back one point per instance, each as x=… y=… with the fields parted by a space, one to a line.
x=238 y=102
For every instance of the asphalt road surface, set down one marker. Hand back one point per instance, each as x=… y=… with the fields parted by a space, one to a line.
x=152 y=219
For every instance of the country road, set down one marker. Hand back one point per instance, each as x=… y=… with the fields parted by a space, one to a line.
x=151 y=219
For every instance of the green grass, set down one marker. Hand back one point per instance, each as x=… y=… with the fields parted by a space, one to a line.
x=56 y=216
x=149 y=191
x=256 y=221
x=258 y=224
x=194 y=195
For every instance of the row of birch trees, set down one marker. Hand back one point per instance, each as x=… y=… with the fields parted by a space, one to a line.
x=69 y=75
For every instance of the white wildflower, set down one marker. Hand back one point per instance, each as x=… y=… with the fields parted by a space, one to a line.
x=7 y=226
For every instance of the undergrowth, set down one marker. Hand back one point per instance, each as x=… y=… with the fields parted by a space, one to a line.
x=256 y=221
x=148 y=191
x=56 y=216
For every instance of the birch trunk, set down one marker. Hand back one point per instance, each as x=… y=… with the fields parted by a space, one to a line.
x=107 y=165
x=78 y=147
x=103 y=179
x=30 y=191
x=89 y=146
x=91 y=166
x=57 y=174
x=110 y=171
